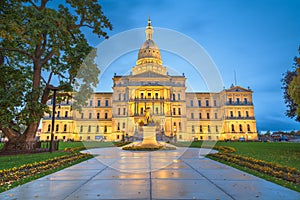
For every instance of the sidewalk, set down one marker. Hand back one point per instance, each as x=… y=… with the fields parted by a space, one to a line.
x=178 y=174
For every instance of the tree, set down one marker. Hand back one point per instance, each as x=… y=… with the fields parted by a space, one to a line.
x=290 y=86
x=40 y=42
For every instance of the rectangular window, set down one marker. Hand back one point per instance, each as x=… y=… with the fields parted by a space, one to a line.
x=178 y=97
x=208 y=128
x=98 y=115
x=99 y=103
x=215 y=102
x=207 y=103
x=193 y=129
x=245 y=101
x=216 y=115
x=91 y=103
x=105 y=129
x=81 y=129
x=199 y=103
x=89 y=128
x=66 y=114
x=192 y=115
x=230 y=100
x=82 y=115
x=207 y=115
x=217 y=129
x=105 y=115
x=124 y=97
x=174 y=111
x=119 y=111
x=239 y=113
x=142 y=95
x=149 y=95
x=238 y=100
x=119 y=97
x=192 y=103
x=97 y=129
x=247 y=114
x=142 y=111
x=106 y=103
x=179 y=111
x=124 y=125
x=173 y=97
x=118 y=126
x=200 y=115
x=156 y=95
x=156 y=110
x=58 y=113
x=179 y=124
x=200 y=129
x=90 y=115
x=231 y=113
x=124 y=111
x=88 y=137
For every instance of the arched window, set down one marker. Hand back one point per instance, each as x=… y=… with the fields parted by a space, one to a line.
x=49 y=127
x=65 y=128
x=81 y=128
x=89 y=128
x=248 y=128
x=241 y=128
x=232 y=127
x=57 y=127
x=98 y=115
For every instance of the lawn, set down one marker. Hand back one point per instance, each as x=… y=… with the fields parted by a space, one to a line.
x=283 y=153
x=9 y=161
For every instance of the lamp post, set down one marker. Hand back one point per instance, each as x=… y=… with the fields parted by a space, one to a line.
x=54 y=89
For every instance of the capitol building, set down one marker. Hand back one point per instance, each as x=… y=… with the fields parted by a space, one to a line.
x=150 y=95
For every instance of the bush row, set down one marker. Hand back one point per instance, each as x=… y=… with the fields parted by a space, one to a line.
x=9 y=176
x=269 y=168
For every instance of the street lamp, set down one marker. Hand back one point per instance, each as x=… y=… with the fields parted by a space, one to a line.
x=54 y=89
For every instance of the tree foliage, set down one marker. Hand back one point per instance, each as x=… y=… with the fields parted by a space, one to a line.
x=39 y=42
x=290 y=86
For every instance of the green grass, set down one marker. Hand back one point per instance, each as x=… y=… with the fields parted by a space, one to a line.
x=278 y=181
x=9 y=161
x=1 y=145
x=283 y=153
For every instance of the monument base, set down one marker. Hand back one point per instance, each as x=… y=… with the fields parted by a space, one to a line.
x=149 y=137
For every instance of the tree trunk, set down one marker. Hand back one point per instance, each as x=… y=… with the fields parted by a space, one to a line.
x=22 y=142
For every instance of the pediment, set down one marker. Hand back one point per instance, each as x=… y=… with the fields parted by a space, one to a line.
x=238 y=89
x=149 y=74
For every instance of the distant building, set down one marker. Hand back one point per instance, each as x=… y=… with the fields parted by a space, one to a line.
x=150 y=93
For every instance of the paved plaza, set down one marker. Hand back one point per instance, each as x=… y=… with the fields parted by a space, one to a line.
x=177 y=174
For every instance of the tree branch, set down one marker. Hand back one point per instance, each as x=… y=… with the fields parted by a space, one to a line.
x=43 y=4
x=17 y=50
x=47 y=57
x=33 y=4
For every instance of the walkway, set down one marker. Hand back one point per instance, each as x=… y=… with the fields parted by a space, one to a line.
x=179 y=174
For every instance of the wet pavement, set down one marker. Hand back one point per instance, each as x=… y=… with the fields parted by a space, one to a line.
x=176 y=174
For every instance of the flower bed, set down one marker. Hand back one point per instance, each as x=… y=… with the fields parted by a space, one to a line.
x=286 y=173
x=13 y=175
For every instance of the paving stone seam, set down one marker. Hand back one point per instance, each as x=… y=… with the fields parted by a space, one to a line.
x=75 y=190
x=150 y=176
x=209 y=180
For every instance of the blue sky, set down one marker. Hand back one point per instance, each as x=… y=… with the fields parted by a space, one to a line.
x=258 y=39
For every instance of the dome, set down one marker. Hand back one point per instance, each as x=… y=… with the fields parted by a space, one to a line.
x=149 y=51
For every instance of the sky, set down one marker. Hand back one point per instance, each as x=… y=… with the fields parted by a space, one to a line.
x=257 y=40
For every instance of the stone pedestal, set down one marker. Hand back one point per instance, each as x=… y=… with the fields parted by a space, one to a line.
x=149 y=136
